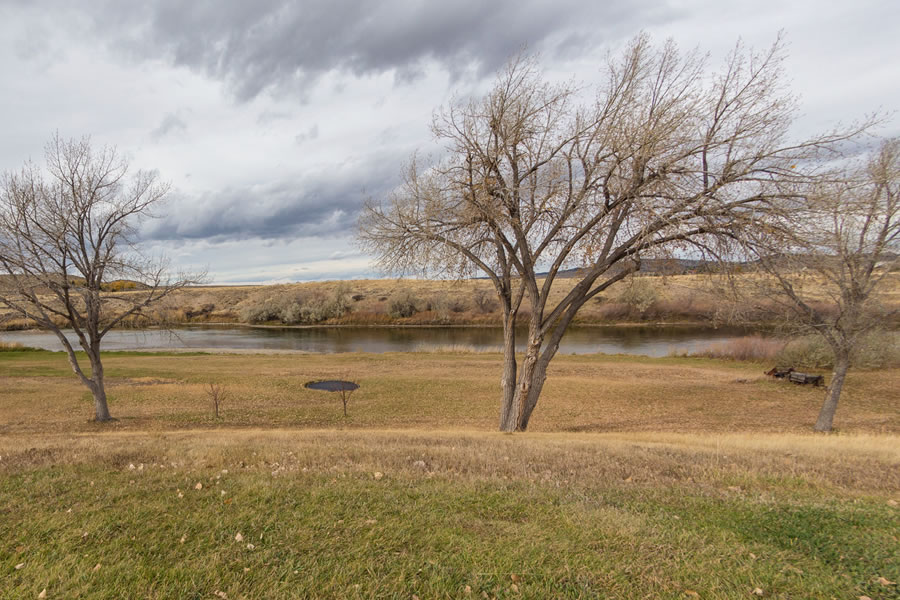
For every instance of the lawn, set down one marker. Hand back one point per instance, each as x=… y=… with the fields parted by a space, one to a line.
x=594 y=393
x=643 y=478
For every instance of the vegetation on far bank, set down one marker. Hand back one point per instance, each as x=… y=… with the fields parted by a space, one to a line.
x=646 y=299
x=879 y=349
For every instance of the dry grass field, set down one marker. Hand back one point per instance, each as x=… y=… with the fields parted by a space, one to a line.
x=588 y=393
x=643 y=478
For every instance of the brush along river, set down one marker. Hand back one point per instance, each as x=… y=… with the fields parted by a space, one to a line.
x=648 y=341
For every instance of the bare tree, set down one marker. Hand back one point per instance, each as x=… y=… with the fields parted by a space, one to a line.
x=64 y=234
x=667 y=156
x=346 y=389
x=828 y=254
x=217 y=394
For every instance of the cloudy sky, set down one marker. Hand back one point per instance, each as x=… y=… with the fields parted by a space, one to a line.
x=274 y=120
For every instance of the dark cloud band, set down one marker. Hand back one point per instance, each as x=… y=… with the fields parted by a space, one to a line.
x=324 y=206
x=282 y=44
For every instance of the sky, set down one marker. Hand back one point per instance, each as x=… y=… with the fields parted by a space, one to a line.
x=275 y=120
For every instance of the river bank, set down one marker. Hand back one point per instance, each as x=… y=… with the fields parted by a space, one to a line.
x=683 y=299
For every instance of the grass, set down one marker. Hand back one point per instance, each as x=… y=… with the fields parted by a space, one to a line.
x=448 y=390
x=644 y=478
x=530 y=516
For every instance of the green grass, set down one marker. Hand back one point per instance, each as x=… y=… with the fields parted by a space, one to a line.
x=335 y=531
x=703 y=479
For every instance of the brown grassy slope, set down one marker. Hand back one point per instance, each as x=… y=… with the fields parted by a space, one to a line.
x=866 y=465
x=675 y=298
x=680 y=298
x=433 y=391
x=288 y=514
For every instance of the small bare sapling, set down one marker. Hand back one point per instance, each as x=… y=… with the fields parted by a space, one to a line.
x=217 y=394
x=346 y=390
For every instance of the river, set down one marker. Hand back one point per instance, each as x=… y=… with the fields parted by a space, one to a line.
x=649 y=341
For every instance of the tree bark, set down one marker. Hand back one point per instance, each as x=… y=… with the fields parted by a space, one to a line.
x=539 y=376
x=833 y=394
x=539 y=372
x=509 y=408
x=529 y=375
x=98 y=387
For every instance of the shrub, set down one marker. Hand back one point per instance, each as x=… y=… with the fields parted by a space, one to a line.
x=484 y=302
x=263 y=312
x=320 y=309
x=166 y=313
x=613 y=311
x=442 y=306
x=292 y=313
x=402 y=305
x=16 y=347
x=748 y=347
x=877 y=350
x=454 y=305
x=120 y=285
x=639 y=295
x=297 y=308
x=201 y=311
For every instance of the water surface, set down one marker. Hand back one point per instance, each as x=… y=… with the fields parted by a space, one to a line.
x=649 y=341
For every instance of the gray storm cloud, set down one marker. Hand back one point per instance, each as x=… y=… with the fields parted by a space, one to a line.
x=324 y=206
x=280 y=44
x=170 y=124
x=275 y=119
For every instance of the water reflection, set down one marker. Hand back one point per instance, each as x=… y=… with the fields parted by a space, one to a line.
x=650 y=341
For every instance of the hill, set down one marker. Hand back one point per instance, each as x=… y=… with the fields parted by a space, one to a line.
x=655 y=297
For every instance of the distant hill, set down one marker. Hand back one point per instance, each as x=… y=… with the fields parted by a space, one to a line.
x=117 y=285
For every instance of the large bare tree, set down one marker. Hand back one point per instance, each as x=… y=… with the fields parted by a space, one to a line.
x=827 y=256
x=667 y=155
x=68 y=230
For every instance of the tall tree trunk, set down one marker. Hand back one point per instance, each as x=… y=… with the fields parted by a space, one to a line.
x=833 y=394
x=539 y=372
x=95 y=382
x=543 y=344
x=98 y=386
x=526 y=381
x=509 y=407
x=538 y=377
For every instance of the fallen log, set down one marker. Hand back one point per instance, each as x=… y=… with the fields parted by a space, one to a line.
x=779 y=373
x=806 y=379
